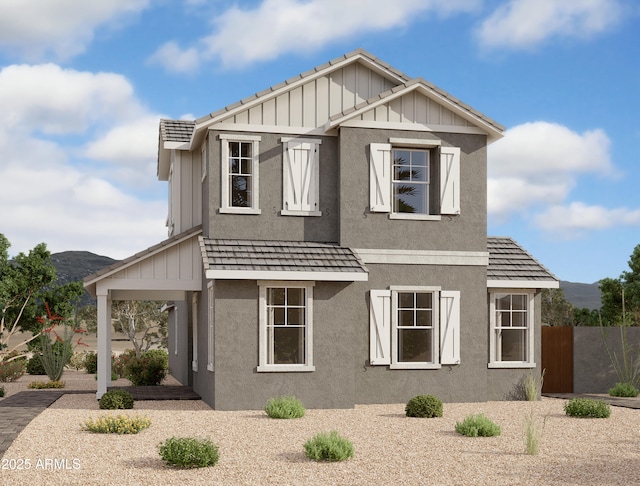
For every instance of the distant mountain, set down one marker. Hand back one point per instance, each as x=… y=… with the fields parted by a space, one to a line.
x=582 y=295
x=74 y=266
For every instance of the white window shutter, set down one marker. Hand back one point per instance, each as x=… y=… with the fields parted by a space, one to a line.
x=301 y=173
x=450 y=180
x=450 y=327
x=380 y=327
x=380 y=177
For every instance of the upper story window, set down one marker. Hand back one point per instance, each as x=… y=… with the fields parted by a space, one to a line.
x=239 y=176
x=414 y=179
x=511 y=330
x=301 y=177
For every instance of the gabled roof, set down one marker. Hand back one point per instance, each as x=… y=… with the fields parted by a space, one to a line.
x=319 y=100
x=493 y=129
x=280 y=260
x=511 y=266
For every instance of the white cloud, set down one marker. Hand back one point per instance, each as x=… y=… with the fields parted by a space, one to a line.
x=56 y=123
x=538 y=163
x=64 y=28
x=46 y=98
x=276 y=27
x=533 y=169
x=575 y=219
x=174 y=59
x=527 y=23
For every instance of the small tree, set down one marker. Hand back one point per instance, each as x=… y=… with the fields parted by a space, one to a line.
x=143 y=322
x=556 y=310
x=26 y=282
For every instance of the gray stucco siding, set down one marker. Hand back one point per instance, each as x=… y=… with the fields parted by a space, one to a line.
x=270 y=224
x=361 y=228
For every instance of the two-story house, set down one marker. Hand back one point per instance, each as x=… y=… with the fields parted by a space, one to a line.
x=327 y=239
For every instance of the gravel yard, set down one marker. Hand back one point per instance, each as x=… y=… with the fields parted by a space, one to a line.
x=389 y=447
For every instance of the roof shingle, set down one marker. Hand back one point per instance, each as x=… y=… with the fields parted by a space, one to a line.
x=509 y=261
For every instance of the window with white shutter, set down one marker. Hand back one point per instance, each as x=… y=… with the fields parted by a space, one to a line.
x=414 y=179
x=301 y=177
x=414 y=327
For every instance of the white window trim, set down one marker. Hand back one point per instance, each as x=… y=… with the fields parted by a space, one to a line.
x=435 y=338
x=493 y=363
x=225 y=207
x=210 y=322
x=263 y=366
x=194 y=331
x=314 y=175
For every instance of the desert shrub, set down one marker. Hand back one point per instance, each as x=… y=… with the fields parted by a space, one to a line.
x=623 y=390
x=119 y=363
x=149 y=369
x=533 y=386
x=41 y=385
x=587 y=408
x=116 y=400
x=188 y=452
x=328 y=447
x=120 y=424
x=35 y=366
x=284 y=408
x=77 y=360
x=91 y=362
x=477 y=426
x=424 y=406
x=1 y=391
x=11 y=370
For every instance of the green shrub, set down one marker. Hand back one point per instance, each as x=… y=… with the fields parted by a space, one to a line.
x=424 y=406
x=41 y=385
x=11 y=370
x=35 y=366
x=91 y=362
x=188 y=452
x=284 y=408
x=150 y=369
x=624 y=390
x=1 y=391
x=116 y=400
x=587 y=407
x=477 y=426
x=119 y=363
x=120 y=424
x=328 y=447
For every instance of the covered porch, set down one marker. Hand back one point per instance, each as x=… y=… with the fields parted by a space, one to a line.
x=167 y=271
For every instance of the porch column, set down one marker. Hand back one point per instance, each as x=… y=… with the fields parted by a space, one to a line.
x=104 y=343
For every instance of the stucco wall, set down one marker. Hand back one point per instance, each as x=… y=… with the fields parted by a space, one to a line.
x=270 y=225
x=360 y=228
x=593 y=371
x=343 y=376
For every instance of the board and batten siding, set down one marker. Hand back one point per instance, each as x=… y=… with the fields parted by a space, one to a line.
x=312 y=104
x=179 y=262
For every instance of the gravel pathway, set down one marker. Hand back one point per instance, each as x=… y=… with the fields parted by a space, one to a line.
x=389 y=447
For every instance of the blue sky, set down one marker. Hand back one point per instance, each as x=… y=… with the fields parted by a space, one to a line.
x=84 y=84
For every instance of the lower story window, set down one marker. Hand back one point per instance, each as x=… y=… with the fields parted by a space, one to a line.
x=511 y=321
x=415 y=327
x=286 y=315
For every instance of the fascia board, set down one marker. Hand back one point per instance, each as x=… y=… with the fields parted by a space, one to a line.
x=523 y=284
x=287 y=275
